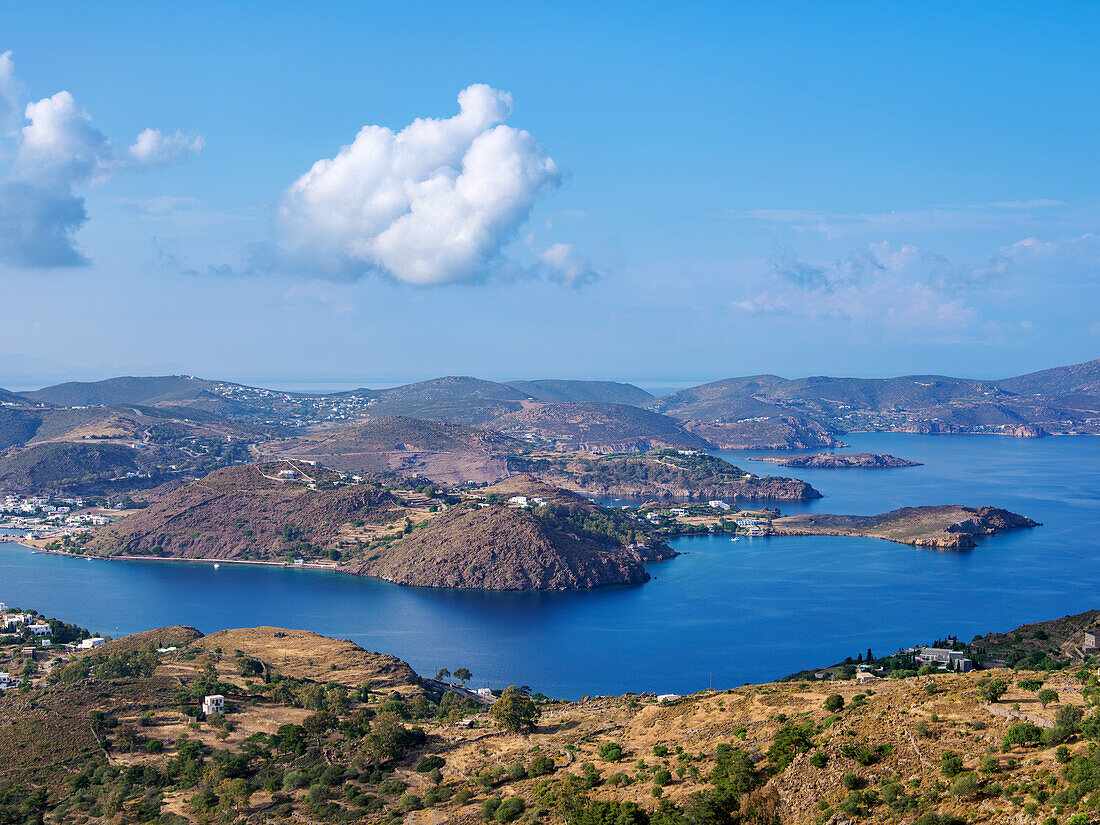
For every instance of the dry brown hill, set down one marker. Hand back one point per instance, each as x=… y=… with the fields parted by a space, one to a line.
x=176 y=636
x=597 y=428
x=305 y=655
x=946 y=526
x=247 y=512
x=558 y=542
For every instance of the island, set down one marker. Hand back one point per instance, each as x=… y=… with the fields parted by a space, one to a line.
x=943 y=527
x=834 y=461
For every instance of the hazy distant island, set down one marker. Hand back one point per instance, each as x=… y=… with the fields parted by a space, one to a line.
x=830 y=461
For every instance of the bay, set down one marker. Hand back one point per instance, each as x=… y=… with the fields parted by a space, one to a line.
x=723 y=612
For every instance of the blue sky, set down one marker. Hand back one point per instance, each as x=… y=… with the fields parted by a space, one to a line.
x=688 y=192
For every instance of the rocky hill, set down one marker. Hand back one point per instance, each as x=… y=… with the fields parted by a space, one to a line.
x=446 y=453
x=248 y=513
x=663 y=473
x=559 y=542
x=123 y=390
x=601 y=392
x=1060 y=400
x=596 y=428
x=830 y=461
x=944 y=527
x=66 y=466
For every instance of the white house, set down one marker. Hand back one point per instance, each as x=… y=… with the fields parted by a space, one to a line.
x=484 y=691
x=668 y=697
x=88 y=644
x=518 y=500
x=746 y=522
x=213 y=704
x=39 y=629
x=718 y=505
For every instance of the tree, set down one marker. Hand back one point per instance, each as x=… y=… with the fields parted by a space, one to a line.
x=951 y=764
x=992 y=689
x=515 y=711
x=834 y=703
x=463 y=675
x=1046 y=696
x=442 y=675
x=610 y=751
x=965 y=784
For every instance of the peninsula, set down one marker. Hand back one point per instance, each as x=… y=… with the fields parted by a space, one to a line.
x=832 y=461
x=942 y=527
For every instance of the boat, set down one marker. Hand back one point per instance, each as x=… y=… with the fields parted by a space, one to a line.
x=216 y=565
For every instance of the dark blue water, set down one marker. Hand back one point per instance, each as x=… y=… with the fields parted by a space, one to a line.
x=743 y=611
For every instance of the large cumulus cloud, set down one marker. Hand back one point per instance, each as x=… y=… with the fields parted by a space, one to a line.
x=52 y=153
x=433 y=203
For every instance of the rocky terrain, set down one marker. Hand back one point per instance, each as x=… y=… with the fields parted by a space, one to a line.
x=316 y=730
x=832 y=461
x=559 y=541
x=942 y=527
x=596 y=428
x=446 y=453
x=664 y=473
x=249 y=513
x=750 y=412
x=280 y=512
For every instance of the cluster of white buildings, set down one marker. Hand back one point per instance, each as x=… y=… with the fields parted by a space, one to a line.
x=526 y=501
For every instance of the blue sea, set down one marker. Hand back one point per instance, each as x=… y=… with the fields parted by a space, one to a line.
x=723 y=613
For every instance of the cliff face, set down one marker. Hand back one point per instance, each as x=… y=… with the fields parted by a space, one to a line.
x=505 y=548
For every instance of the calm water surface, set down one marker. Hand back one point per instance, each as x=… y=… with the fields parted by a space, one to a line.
x=737 y=612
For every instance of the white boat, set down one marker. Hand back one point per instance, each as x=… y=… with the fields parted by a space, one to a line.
x=216 y=565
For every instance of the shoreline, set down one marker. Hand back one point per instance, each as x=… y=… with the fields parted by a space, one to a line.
x=309 y=565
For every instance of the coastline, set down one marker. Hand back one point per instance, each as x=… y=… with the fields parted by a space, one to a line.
x=310 y=565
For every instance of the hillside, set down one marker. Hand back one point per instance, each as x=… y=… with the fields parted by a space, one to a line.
x=316 y=730
x=1059 y=400
x=304 y=655
x=565 y=543
x=248 y=513
x=596 y=428
x=446 y=453
x=662 y=473
x=602 y=392
x=833 y=461
x=123 y=390
x=946 y=526
x=66 y=466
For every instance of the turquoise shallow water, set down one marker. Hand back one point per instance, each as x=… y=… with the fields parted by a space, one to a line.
x=736 y=612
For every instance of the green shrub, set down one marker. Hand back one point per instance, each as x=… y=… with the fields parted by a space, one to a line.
x=410 y=802
x=834 y=702
x=509 y=809
x=610 y=751
x=516 y=771
x=951 y=764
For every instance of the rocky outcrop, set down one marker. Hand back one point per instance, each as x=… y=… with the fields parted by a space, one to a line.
x=497 y=547
x=829 y=461
x=948 y=527
x=1028 y=431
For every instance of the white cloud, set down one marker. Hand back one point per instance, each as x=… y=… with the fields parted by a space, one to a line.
x=900 y=287
x=152 y=148
x=566 y=266
x=11 y=92
x=55 y=156
x=433 y=203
